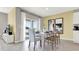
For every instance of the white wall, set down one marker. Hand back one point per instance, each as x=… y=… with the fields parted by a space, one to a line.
x=3 y=22
x=18 y=25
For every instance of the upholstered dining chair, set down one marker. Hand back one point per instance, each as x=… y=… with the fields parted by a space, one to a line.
x=57 y=37
x=49 y=38
x=38 y=37
x=46 y=37
x=52 y=38
x=33 y=37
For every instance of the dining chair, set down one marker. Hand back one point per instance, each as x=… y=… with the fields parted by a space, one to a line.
x=46 y=37
x=57 y=36
x=49 y=38
x=34 y=37
x=38 y=37
x=52 y=38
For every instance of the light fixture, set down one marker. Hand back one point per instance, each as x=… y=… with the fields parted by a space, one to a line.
x=46 y=8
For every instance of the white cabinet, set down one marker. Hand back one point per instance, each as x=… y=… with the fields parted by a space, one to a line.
x=76 y=36
x=8 y=38
x=76 y=25
x=76 y=18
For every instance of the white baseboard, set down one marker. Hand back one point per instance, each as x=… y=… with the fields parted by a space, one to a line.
x=66 y=39
x=75 y=41
x=19 y=41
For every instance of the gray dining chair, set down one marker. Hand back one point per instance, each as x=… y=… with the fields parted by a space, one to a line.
x=34 y=37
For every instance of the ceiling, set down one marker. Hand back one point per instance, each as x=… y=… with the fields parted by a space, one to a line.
x=47 y=11
x=5 y=9
x=41 y=11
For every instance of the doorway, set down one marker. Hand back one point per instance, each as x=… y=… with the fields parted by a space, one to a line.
x=32 y=24
x=28 y=22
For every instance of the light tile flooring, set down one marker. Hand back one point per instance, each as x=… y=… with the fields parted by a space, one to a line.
x=23 y=46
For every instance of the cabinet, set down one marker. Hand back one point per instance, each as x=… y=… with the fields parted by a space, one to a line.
x=76 y=18
x=76 y=27
x=8 y=38
x=76 y=36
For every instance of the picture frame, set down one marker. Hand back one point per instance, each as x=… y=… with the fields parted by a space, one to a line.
x=59 y=25
x=56 y=25
x=51 y=24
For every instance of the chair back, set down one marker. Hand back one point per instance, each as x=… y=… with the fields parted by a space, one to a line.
x=34 y=36
x=37 y=34
x=31 y=35
x=46 y=35
x=51 y=33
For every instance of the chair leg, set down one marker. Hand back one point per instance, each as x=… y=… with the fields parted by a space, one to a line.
x=44 y=44
x=34 y=45
x=40 y=43
x=59 y=40
x=48 y=42
x=55 y=42
x=29 y=44
x=52 y=46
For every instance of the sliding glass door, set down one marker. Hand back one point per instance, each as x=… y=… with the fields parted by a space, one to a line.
x=31 y=24
x=28 y=24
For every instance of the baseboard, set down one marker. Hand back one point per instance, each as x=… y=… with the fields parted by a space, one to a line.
x=66 y=39
x=75 y=41
x=19 y=41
